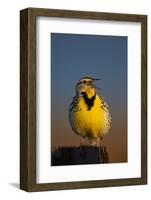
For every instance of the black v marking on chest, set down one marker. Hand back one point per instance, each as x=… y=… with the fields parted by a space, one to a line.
x=88 y=101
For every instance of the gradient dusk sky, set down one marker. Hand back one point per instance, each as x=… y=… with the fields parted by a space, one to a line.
x=74 y=56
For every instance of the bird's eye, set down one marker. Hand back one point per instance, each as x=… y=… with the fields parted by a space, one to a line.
x=84 y=81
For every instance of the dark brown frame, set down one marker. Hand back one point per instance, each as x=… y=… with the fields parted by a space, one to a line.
x=28 y=98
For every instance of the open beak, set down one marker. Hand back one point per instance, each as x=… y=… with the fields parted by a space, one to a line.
x=97 y=79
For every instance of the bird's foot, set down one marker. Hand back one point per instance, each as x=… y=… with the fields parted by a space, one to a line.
x=98 y=141
x=83 y=142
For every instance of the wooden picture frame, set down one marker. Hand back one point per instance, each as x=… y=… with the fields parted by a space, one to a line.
x=28 y=99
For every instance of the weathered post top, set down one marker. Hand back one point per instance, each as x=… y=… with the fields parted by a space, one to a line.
x=79 y=155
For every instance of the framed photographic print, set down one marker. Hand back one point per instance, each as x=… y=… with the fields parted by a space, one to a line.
x=83 y=99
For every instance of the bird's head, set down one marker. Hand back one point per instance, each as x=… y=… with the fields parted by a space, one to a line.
x=86 y=86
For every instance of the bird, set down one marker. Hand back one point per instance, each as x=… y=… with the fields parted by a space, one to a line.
x=89 y=114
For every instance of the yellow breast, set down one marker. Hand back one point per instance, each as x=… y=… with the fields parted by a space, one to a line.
x=94 y=122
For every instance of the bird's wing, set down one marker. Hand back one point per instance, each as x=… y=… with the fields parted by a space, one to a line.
x=74 y=104
x=105 y=106
x=104 y=103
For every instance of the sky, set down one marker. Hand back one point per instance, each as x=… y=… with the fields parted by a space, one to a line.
x=74 y=56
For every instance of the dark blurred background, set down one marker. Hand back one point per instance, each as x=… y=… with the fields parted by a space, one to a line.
x=74 y=56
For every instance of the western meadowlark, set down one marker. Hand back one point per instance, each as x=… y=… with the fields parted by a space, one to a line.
x=89 y=114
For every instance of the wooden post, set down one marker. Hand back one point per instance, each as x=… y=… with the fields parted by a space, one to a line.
x=79 y=155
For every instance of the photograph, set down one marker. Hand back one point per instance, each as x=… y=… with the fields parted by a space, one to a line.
x=88 y=99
